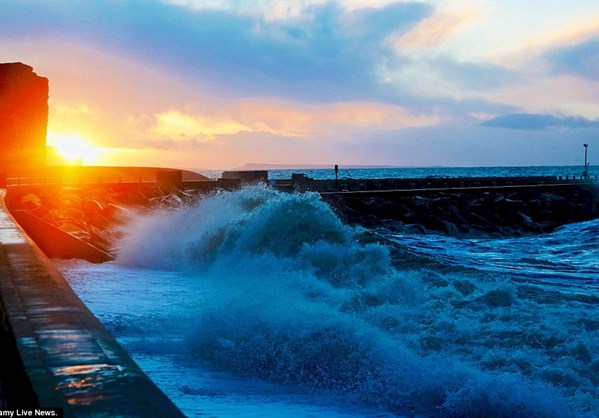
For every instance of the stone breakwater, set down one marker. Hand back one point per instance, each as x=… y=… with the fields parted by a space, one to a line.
x=55 y=352
x=89 y=213
x=93 y=213
x=490 y=211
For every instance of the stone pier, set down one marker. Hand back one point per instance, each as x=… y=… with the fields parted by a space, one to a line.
x=55 y=352
x=498 y=211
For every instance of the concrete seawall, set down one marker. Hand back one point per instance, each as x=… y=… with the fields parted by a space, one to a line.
x=56 y=353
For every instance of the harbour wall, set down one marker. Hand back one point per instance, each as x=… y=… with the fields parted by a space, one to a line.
x=56 y=352
x=508 y=210
x=301 y=182
x=60 y=355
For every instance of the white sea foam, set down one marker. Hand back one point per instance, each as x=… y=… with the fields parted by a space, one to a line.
x=273 y=286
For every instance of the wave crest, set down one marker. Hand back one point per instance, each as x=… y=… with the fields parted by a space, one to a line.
x=294 y=296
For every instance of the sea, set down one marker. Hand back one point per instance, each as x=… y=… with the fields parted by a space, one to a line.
x=258 y=303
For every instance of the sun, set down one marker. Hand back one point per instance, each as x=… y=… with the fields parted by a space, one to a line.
x=73 y=149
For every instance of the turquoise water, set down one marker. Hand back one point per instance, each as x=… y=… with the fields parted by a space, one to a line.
x=259 y=303
x=420 y=172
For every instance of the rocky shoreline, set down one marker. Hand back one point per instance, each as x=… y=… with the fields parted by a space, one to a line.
x=493 y=212
x=93 y=213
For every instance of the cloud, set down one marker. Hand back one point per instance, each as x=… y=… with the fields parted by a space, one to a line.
x=271 y=10
x=367 y=25
x=266 y=130
x=565 y=33
x=542 y=93
x=309 y=121
x=462 y=146
x=177 y=124
x=329 y=53
x=446 y=82
x=435 y=29
x=524 y=121
x=472 y=76
x=580 y=59
x=281 y=119
x=230 y=81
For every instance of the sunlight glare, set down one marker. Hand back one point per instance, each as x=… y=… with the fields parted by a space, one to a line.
x=74 y=149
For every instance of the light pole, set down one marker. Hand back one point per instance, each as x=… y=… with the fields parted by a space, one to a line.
x=586 y=165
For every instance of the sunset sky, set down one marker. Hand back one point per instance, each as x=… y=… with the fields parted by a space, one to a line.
x=217 y=84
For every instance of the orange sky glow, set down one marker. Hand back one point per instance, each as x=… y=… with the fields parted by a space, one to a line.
x=212 y=85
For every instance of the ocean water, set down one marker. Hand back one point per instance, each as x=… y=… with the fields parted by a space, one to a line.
x=348 y=172
x=263 y=304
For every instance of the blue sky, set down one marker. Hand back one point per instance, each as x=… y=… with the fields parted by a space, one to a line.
x=216 y=84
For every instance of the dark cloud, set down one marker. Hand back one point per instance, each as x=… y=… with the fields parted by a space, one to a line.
x=527 y=121
x=326 y=55
x=581 y=59
x=329 y=57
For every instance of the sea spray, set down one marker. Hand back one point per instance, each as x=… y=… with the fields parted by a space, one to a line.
x=295 y=297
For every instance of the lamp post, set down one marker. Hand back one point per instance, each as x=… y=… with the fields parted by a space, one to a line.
x=586 y=165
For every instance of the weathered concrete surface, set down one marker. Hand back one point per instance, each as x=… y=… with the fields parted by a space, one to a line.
x=57 y=243
x=56 y=353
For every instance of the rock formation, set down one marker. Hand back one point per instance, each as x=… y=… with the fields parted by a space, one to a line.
x=471 y=212
x=23 y=119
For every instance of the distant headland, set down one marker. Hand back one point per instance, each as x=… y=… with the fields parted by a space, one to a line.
x=271 y=166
